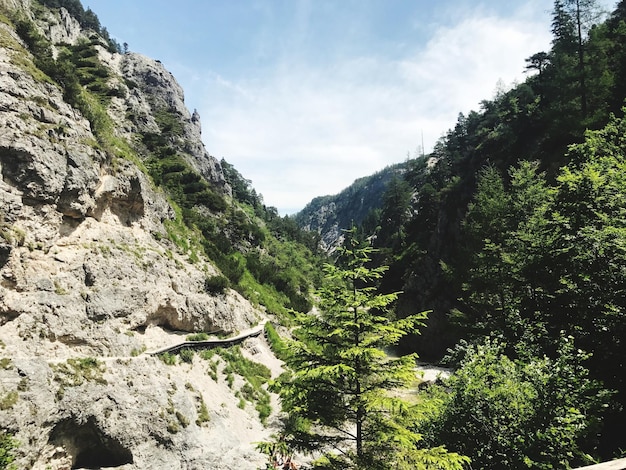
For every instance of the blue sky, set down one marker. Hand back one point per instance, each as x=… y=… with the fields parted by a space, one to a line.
x=305 y=96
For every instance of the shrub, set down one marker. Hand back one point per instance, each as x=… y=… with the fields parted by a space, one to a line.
x=216 y=284
x=277 y=345
x=168 y=359
x=76 y=371
x=197 y=337
x=203 y=413
x=543 y=413
x=138 y=351
x=182 y=419
x=186 y=355
x=173 y=427
x=8 y=401
x=7 y=447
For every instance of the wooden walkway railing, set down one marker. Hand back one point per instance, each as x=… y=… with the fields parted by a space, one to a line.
x=209 y=343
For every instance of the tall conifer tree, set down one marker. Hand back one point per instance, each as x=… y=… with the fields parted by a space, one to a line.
x=341 y=396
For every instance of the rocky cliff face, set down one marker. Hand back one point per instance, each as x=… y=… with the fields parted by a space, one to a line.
x=89 y=280
x=329 y=215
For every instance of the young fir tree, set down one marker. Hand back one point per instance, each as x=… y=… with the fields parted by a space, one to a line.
x=341 y=397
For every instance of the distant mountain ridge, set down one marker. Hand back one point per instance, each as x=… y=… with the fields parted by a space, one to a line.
x=328 y=215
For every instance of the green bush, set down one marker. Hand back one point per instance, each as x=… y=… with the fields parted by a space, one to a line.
x=186 y=355
x=168 y=359
x=197 y=337
x=7 y=446
x=9 y=400
x=203 y=413
x=540 y=413
x=277 y=345
x=255 y=375
x=216 y=284
x=138 y=351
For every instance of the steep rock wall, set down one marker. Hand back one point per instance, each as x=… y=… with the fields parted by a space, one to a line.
x=88 y=274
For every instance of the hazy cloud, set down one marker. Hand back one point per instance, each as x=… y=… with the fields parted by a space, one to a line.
x=302 y=132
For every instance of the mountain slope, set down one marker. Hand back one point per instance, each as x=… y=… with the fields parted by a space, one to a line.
x=97 y=263
x=329 y=215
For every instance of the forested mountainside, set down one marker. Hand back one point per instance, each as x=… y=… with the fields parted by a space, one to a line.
x=513 y=232
x=119 y=234
x=358 y=204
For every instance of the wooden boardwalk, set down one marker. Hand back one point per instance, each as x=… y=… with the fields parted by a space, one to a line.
x=209 y=343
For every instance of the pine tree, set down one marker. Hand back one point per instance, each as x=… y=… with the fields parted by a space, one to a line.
x=340 y=398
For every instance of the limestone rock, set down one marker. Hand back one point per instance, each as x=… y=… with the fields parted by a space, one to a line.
x=156 y=91
x=89 y=279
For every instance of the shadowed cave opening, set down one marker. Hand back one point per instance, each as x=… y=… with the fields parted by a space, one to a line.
x=88 y=446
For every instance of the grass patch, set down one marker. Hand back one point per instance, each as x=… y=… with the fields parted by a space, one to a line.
x=255 y=376
x=75 y=372
x=277 y=345
x=138 y=351
x=168 y=359
x=186 y=355
x=203 y=413
x=8 y=401
x=173 y=427
x=182 y=419
x=8 y=445
x=197 y=337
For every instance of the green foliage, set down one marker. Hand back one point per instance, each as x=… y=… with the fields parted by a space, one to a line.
x=242 y=187
x=182 y=419
x=86 y=18
x=280 y=271
x=540 y=413
x=255 y=376
x=84 y=81
x=7 y=447
x=516 y=221
x=352 y=205
x=183 y=183
x=168 y=359
x=173 y=427
x=216 y=284
x=278 y=346
x=9 y=400
x=505 y=242
x=251 y=258
x=138 y=351
x=197 y=337
x=339 y=395
x=186 y=355
x=76 y=371
x=394 y=214
x=203 y=413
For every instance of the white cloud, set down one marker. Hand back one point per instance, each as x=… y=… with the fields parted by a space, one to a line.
x=301 y=132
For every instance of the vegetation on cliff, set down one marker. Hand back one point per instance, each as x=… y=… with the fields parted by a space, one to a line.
x=264 y=256
x=513 y=232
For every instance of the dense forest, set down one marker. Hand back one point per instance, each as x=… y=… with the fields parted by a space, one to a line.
x=513 y=233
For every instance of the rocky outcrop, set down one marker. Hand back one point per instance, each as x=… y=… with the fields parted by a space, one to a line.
x=128 y=413
x=89 y=278
x=157 y=91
